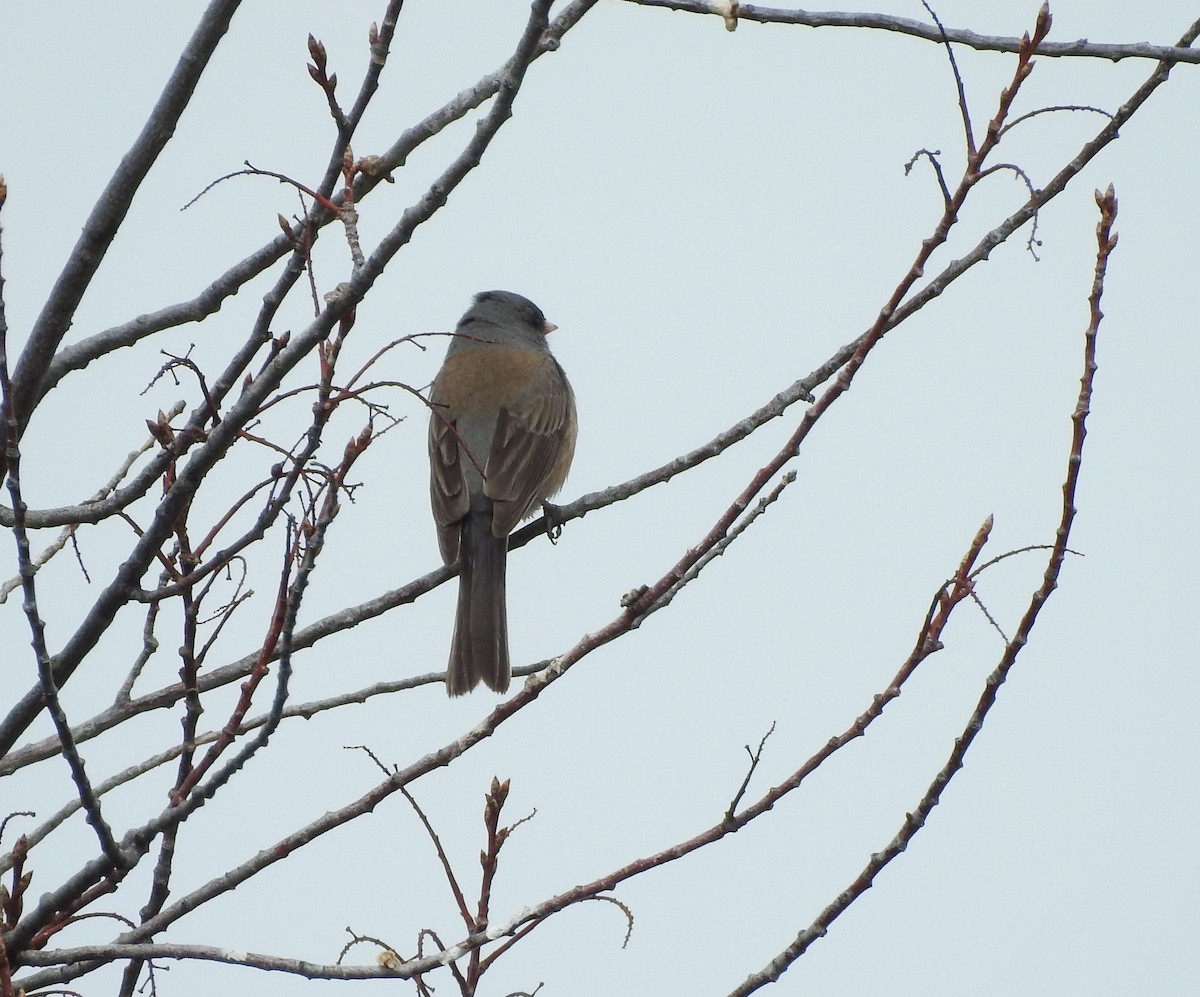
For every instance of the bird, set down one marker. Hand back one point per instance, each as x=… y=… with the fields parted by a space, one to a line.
x=502 y=433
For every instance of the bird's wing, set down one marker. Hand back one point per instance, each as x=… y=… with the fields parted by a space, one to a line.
x=524 y=466
x=447 y=483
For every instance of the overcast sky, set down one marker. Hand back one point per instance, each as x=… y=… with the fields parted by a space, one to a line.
x=707 y=216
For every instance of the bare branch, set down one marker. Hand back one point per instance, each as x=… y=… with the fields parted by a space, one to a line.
x=914 y=821
x=902 y=25
x=220 y=437
x=111 y=207
x=37 y=627
x=78 y=355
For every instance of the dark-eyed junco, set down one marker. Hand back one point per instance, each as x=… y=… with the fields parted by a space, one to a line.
x=501 y=437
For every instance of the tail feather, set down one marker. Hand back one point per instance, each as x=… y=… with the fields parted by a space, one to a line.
x=479 y=649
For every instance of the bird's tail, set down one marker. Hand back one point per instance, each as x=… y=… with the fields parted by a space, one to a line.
x=479 y=649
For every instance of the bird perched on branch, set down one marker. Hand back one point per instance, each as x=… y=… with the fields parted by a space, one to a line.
x=502 y=434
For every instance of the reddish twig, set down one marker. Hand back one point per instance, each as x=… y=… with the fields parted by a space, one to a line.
x=640 y=605
x=326 y=81
x=928 y=642
x=253 y=171
x=913 y=822
x=260 y=671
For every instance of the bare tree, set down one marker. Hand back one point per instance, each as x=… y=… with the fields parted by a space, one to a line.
x=246 y=486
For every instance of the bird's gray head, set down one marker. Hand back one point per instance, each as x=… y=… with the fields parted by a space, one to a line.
x=504 y=308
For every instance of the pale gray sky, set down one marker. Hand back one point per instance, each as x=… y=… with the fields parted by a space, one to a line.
x=706 y=216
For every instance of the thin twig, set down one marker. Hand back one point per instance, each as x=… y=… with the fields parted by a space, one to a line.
x=755 y=758
x=963 y=108
x=37 y=626
x=1082 y=48
x=914 y=821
